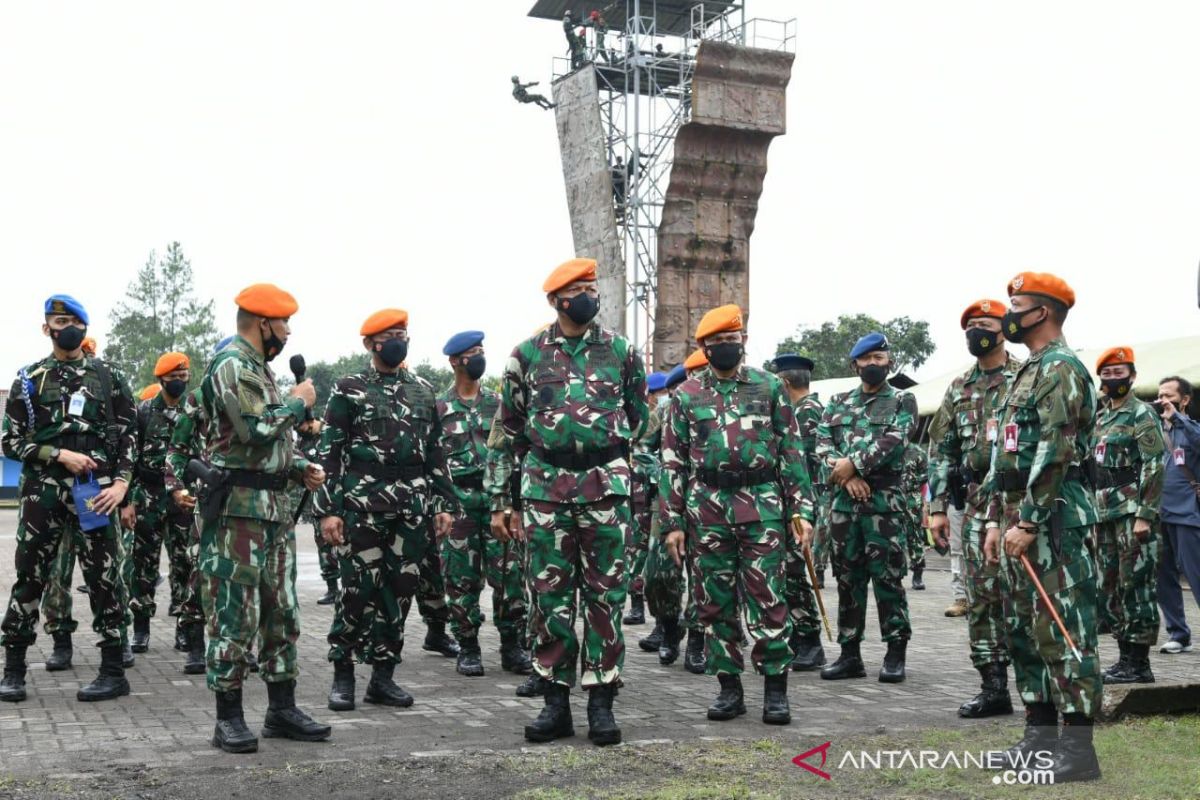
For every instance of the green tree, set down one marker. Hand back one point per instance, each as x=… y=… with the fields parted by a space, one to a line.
x=160 y=314
x=829 y=345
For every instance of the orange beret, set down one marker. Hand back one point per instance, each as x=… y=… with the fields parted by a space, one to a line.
x=150 y=391
x=89 y=345
x=719 y=320
x=577 y=269
x=983 y=308
x=1113 y=356
x=267 y=300
x=169 y=362
x=1044 y=284
x=695 y=361
x=383 y=320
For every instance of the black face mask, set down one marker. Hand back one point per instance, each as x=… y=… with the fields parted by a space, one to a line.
x=174 y=387
x=581 y=309
x=392 y=352
x=69 y=338
x=981 y=341
x=1011 y=324
x=1116 y=388
x=873 y=375
x=474 y=366
x=272 y=344
x=724 y=356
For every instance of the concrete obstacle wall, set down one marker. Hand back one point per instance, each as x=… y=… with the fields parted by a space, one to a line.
x=738 y=107
x=586 y=174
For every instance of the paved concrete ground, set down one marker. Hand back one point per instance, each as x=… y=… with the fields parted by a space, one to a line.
x=168 y=719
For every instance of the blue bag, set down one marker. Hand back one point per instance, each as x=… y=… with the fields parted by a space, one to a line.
x=85 y=493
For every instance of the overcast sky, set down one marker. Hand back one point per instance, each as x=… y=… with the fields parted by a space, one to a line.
x=369 y=154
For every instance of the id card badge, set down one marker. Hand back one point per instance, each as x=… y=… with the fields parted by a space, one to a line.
x=1010 y=437
x=993 y=428
x=75 y=408
x=1101 y=449
x=1177 y=454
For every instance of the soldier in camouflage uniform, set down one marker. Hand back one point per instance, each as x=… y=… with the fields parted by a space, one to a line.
x=68 y=416
x=387 y=476
x=432 y=605
x=472 y=554
x=248 y=544
x=574 y=400
x=861 y=441
x=645 y=494
x=1128 y=447
x=916 y=464
x=807 y=652
x=733 y=467
x=962 y=435
x=308 y=441
x=1040 y=506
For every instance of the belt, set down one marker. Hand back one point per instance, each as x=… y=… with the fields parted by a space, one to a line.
x=885 y=480
x=474 y=482
x=249 y=479
x=735 y=478
x=80 y=442
x=151 y=477
x=392 y=472
x=1112 y=478
x=570 y=459
x=1012 y=480
x=973 y=475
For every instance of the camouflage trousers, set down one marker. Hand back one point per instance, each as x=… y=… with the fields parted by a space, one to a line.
x=821 y=545
x=986 y=599
x=1129 y=581
x=326 y=556
x=191 y=609
x=158 y=523
x=801 y=602
x=431 y=585
x=379 y=564
x=45 y=521
x=869 y=548
x=637 y=542
x=471 y=556
x=915 y=541
x=577 y=547
x=665 y=584
x=248 y=586
x=746 y=563
x=1045 y=669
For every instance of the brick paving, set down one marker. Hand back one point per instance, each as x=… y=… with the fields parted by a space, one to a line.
x=168 y=718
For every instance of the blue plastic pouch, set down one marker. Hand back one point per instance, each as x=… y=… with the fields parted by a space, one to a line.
x=84 y=493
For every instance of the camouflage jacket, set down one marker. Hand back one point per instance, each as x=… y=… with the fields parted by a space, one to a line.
x=466 y=427
x=727 y=424
x=155 y=424
x=187 y=440
x=963 y=431
x=808 y=416
x=916 y=465
x=251 y=429
x=377 y=426
x=1052 y=403
x=871 y=430
x=47 y=388
x=1129 y=438
x=574 y=399
x=501 y=478
x=647 y=451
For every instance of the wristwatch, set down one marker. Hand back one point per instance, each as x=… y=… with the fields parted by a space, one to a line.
x=54 y=453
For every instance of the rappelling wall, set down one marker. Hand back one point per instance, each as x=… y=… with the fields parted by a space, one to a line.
x=738 y=107
x=588 y=181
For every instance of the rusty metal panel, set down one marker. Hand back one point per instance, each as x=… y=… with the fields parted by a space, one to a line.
x=738 y=107
x=588 y=181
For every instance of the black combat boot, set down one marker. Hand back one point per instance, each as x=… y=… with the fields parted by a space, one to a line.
x=195 y=662
x=286 y=721
x=892 y=670
x=341 y=693
x=668 y=651
x=1075 y=757
x=470 y=658
x=602 y=726
x=513 y=657
x=12 y=685
x=141 y=635
x=110 y=683
x=1120 y=664
x=331 y=593
x=731 y=702
x=231 y=733
x=993 y=697
x=1137 y=667
x=60 y=659
x=809 y=654
x=653 y=640
x=181 y=636
x=917 y=583
x=1041 y=735
x=127 y=660
x=383 y=691
x=694 y=660
x=848 y=665
x=776 y=710
x=637 y=611
x=533 y=686
x=555 y=720
x=436 y=640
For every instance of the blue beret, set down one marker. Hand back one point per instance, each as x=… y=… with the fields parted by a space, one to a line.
x=676 y=376
x=656 y=381
x=869 y=344
x=461 y=342
x=65 y=304
x=788 y=361
x=221 y=345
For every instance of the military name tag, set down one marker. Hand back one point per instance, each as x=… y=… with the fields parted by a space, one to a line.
x=75 y=408
x=1177 y=454
x=1101 y=449
x=1010 y=437
x=993 y=428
